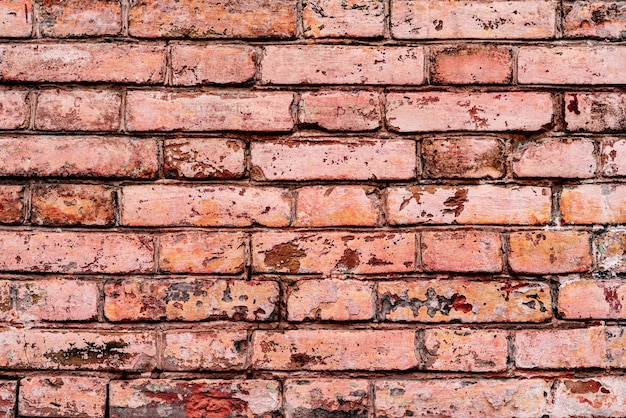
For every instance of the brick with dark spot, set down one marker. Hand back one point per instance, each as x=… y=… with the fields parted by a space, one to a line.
x=325 y=398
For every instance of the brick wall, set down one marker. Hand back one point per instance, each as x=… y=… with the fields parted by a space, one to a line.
x=346 y=208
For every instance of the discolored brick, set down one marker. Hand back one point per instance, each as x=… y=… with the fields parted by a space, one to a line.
x=72 y=204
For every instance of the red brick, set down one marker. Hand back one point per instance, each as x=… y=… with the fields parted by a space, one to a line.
x=547 y=252
x=77 y=350
x=465 y=350
x=555 y=157
x=11 y=204
x=471 y=65
x=213 y=19
x=463 y=157
x=76 y=18
x=333 y=160
x=72 y=204
x=484 y=204
x=593 y=204
x=602 y=19
x=333 y=252
x=16 y=19
x=599 y=396
x=341 y=111
x=194 y=398
x=204 y=158
x=462 y=251
x=66 y=396
x=435 y=19
x=202 y=252
x=8 y=395
x=589 y=298
x=165 y=205
x=215 y=111
x=212 y=64
x=78 y=156
x=190 y=300
x=205 y=350
x=595 y=112
x=330 y=300
x=323 y=349
x=326 y=397
x=337 y=205
x=448 y=111
x=465 y=301
x=15 y=110
x=334 y=18
x=75 y=252
x=610 y=251
x=503 y=398
x=82 y=62
x=78 y=110
x=613 y=157
x=334 y=64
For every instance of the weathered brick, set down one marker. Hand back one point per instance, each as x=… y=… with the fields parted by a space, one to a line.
x=77 y=350
x=595 y=112
x=610 y=251
x=76 y=18
x=337 y=205
x=75 y=252
x=337 y=64
x=212 y=64
x=202 y=252
x=461 y=251
x=522 y=398
x=72 y=204
x=8 y=397
x=464 y=301
x=204 y=158
x=341 y=111
x=190 y=300
x=334 y=18
x=82 y=62
x=333 y=160
x=15 y=111
x=11 y=204
x=613 y=157
x=164 y=205
x=205 y=350
x=484 y=204
x=194 y=398
x=16 y=19
x=599 y=396
x=330 y=300
x=498 y=19
x=334 y=350
x=450 y=111
x=214 y=111
x=333 y=252
x=471 y=65
x=78 y=156
x=589 y=298
x=615 y=347
x=463 y=157
x=78 y=110
x=555 y=157
x=593 y=204
x=465 y=350
x=602 y=19
x=213 y=19
x=63 y=396
x=326 y=397
x=546 y=252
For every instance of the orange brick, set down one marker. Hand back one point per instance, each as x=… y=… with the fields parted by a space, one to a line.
x=463 y=157
x=599 y=396
x=334 y=18
x=449 y=111
x=337 y=205
x=589 y=19
x=76 y=18
x=11 y=204
x=546 y=252
x=610 y=251
x=595 y=112
x=333 y=160
x=15 y=111
x=16 y=19
x=62 y=395
x=78 y=156
x=213 y=19
x=202 y=252
x=333 y=252
x=330 y=397
x=593 y=204
x=164 y=205
x=613 y=157
x=334 y=350
x=204 y=158
x=8 y=397
x=190 y=300
x=214 y=111
x=555 y=157
x=462 y=251
x=333 y=64
x=72 y=204
x=341 y=111
x=484 y=204
x=464 y=301
x=471 y=65
x=206 y=350
x=589 y=298
x=212 y=64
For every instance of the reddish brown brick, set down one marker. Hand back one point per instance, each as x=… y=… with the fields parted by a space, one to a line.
x=471 y=65
x=15 y=110
x=204 y=158
x=341 y=111
x=335 y=18
x=589 y=298
x=595 y=112
x=613 y=157
x=555 y=157
x=330 y=397
x=598 y=396
x=205 y=350
x=8 y=398
x=11 y=204
x=16 y=19
x=337 y=205
x=76 y=18
x=461 y=251
x=593 y=204
x=602 y=19
x=72 y=204
x=212 y=64
x=463 y=157
x=610 y=251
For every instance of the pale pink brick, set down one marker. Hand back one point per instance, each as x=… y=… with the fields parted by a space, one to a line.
x=471 y=65
x=16 y=18
x=205 y=350
x=598 y=396
x=461 y=251
x=610 y=251
x=615 y=347
x=555 y=157
x=76 y=18
x=589 y=298
x=463 y=157
x=337 y=205
x=614 y=157
x=602 y=19
x=341 y=111
x=341 y=18
x=594 y=204
x=212 y=64
x=8 y=398
x=15 y=111
x=595 y=112
x=339 y=397
x=11 y=204
x=204 y=158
